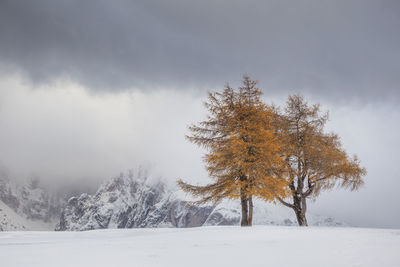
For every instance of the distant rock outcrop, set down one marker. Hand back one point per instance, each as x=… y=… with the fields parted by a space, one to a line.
x=30 y=201
x=10 y=220
x=130 y=201
x=127 y=201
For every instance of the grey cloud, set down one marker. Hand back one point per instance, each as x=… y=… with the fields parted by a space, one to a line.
x=335 y=49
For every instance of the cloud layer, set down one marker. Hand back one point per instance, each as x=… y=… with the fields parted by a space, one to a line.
x=334 y=49
x=63 y=132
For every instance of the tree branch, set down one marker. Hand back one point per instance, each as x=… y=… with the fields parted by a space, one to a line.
x=309 y=190
x=285 y=203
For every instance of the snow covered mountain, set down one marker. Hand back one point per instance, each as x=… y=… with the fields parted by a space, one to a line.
x=10 y=220
x=28 y=206
x=126 y=201
x=129 y=201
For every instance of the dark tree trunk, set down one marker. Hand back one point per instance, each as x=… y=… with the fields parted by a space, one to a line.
x=250 y=218
x=300 y=208
x=244 y=202
x=301 y=218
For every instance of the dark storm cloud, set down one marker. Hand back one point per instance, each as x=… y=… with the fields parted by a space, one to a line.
x=337 y=49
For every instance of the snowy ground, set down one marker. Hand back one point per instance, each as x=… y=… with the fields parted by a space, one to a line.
x=205 y=246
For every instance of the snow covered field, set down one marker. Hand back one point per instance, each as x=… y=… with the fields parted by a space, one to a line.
x=204 y=246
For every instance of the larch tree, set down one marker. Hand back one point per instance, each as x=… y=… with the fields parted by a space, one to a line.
x=315 y=160
x=242 y=149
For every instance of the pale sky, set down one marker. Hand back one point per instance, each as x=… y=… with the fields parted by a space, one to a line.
x=92 y=88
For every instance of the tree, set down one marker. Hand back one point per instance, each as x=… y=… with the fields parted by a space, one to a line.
x=315 y=160
x=243 y=149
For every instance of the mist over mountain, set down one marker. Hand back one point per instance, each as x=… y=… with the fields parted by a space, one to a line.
x=134 y=199
x=34 y=204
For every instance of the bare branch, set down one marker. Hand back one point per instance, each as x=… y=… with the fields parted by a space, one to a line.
x=285 y=203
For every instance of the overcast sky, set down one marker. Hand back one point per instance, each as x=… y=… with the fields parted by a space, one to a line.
x=92 y=88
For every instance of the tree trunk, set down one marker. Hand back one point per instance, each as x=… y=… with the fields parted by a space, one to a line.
x=300 y=208
x=250 y=217
x=301 y=218
x=243 y=201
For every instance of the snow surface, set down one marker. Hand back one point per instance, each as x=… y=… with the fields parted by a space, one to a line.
x=204 y=246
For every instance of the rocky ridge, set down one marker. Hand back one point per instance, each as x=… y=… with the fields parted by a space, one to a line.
x=28 y=204
x=131 y=201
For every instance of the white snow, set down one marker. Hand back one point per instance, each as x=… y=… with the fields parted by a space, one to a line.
x=271 y=214
x=12 y=221
x=204 y=246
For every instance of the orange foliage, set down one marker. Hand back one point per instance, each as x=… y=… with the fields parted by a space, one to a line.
x=315 y=160
x=243 y=148
x=255 y=150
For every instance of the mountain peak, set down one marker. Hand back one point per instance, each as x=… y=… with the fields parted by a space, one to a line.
x=132 y=201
